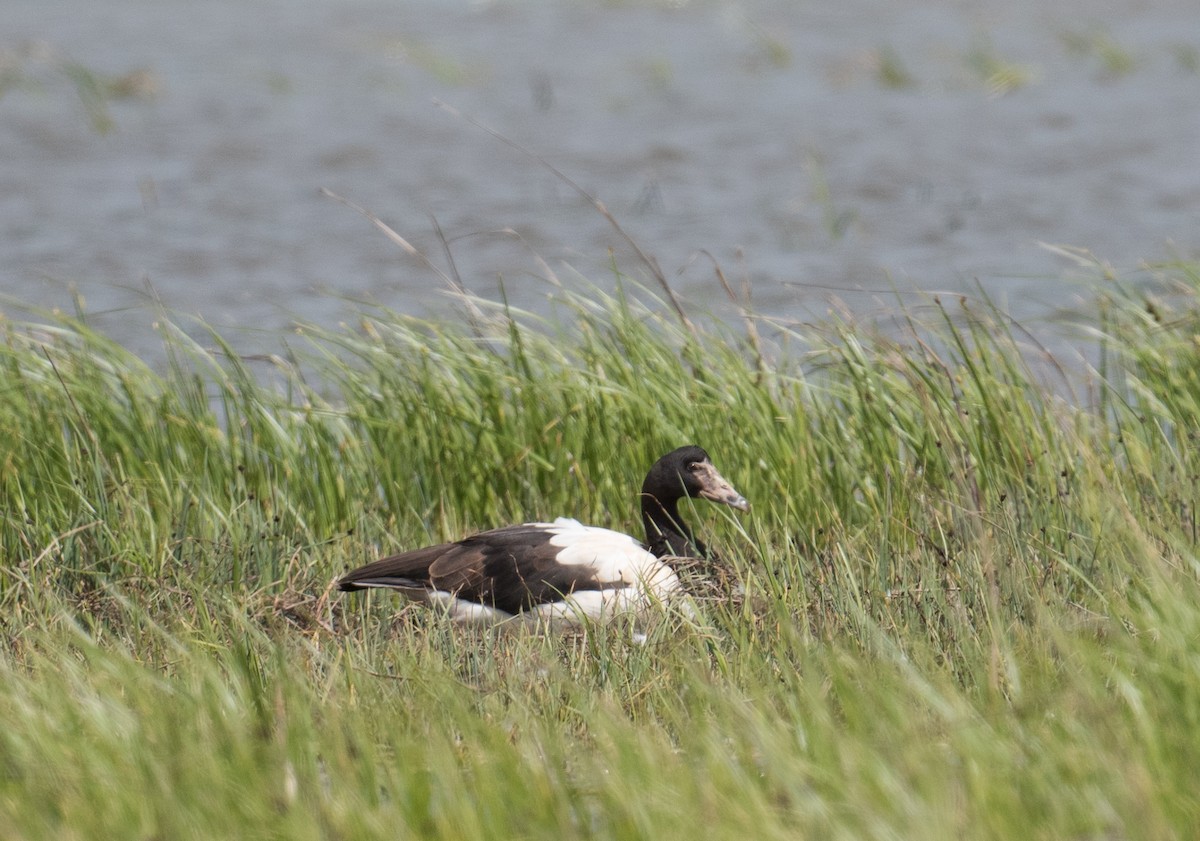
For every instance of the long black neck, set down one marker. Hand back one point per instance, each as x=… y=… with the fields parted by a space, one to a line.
x=666 y=533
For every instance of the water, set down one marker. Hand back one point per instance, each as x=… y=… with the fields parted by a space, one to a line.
x=834 y=154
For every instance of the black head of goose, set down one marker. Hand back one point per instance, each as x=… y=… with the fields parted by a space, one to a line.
x=562 y=570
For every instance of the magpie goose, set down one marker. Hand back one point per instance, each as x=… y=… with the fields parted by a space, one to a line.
x=561 y=571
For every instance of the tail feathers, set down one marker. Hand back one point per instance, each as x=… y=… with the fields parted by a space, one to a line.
x=388 y=582
x=459 y=610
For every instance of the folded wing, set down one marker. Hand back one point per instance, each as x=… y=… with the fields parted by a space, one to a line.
x=518 y=568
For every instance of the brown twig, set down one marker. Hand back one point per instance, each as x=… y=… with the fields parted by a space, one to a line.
x=451 y=280
x=648 y=260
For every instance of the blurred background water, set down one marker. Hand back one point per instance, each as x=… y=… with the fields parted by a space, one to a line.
x=848 y=155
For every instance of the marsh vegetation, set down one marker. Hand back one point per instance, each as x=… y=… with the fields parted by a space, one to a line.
x=966 y=602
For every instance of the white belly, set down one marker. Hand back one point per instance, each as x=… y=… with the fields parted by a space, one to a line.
x=635 y=581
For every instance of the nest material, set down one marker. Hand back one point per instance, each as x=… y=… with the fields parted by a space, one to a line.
x=708 y=580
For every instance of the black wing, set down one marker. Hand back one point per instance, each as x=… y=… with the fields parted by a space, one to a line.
x=512 y=569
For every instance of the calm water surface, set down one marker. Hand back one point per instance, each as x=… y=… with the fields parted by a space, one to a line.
x=830 y=153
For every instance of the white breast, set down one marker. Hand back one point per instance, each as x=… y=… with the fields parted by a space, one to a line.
x=615 y=557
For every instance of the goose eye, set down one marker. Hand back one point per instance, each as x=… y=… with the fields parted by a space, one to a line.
x=694 y=466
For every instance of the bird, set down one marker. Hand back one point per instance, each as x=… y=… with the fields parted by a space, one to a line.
x=561 y=572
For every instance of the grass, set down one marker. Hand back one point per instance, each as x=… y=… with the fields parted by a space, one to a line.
x=966 y=607
x=38 y=66
x=1098 y=46
x=1000 y=75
